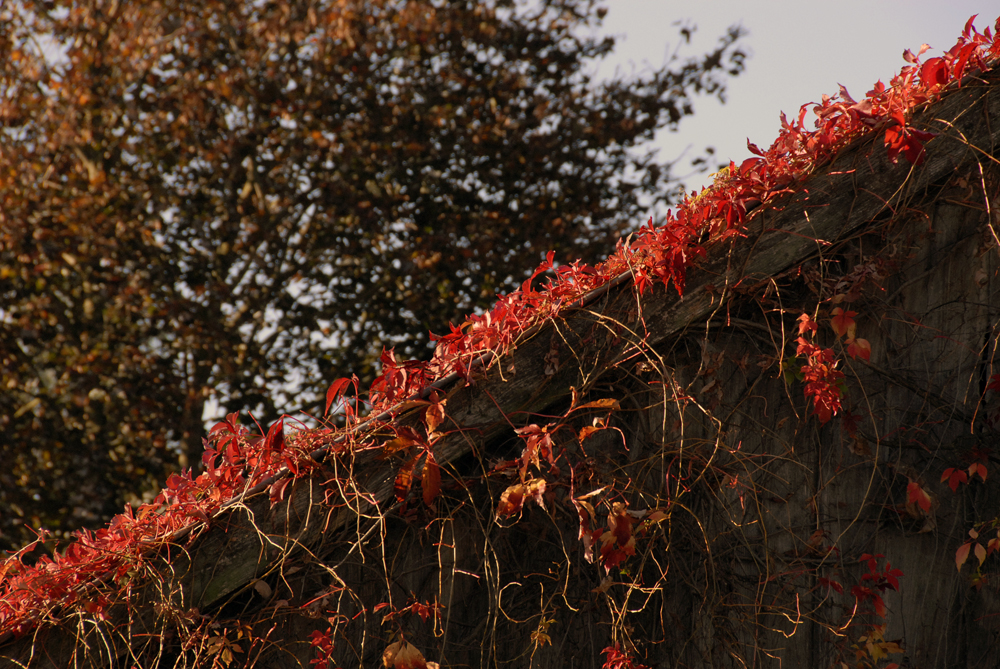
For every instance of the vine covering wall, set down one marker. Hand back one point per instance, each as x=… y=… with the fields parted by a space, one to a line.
x=759 y=435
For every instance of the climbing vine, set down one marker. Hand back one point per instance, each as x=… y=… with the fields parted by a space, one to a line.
x=636 y=478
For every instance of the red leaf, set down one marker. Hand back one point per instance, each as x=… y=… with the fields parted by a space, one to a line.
x=906 y=140
x=842 y=321
x=511 y=500
x=934 y=72
x=830 y=584
x=275 y=441
x=336 y=392
x=994 y=383
x=872 y=561
x=620 y=524
x=892 y=576
x=425 y=611
x=585 y=510
x=969 y=27
x=916 y=495
x=859 y=347
x=879 y=606
x=977 y=468
x=536 y=489
x=278 y=490
x=642 y=280
x=430 y=479
x=404 y=480
x=406 y=437
x=807 y=323
x=954 y=477
x=980 y=553
x=434 y=416
x=748 y=165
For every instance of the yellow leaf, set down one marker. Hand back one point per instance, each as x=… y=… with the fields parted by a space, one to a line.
x=980 y=553
x=540 y=638
x=263 y=589
x=962 y=554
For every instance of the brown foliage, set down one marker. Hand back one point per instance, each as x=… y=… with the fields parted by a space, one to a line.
x=245 y=200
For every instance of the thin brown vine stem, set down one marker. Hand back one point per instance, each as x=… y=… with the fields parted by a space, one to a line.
x=982 y=178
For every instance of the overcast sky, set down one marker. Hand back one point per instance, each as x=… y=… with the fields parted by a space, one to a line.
x=799 y=51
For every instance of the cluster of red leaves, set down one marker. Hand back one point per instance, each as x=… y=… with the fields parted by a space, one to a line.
x=662 y=254
x=871 y=647
x=844 y=325
x=616 y=658
x=823 y=380
x=424 y=611
x=874 y=584
x=323 y=643
x=512 y=499
x=418 y=450
x=91 y=567
x=617 y=539
x=538 y=446
x=655 y=255
x=956 y=476
x=820 y=373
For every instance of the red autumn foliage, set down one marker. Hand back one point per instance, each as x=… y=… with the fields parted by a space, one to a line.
x=423 y=611
x=430 y=479
x=954 y=477
x=617 y=542
x=874 y=584
x=822 y=378
x=513 y=498
x=616 y=658
x=843 y=322
x=323 y=644
x=235 y=460
x=859 y=348
x=335 y=392
x=807 y=324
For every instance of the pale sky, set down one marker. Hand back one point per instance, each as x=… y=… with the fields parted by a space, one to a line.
x=800 y=50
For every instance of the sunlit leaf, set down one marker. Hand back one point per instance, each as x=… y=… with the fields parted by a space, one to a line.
x=430 y=479
x=962 y=554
